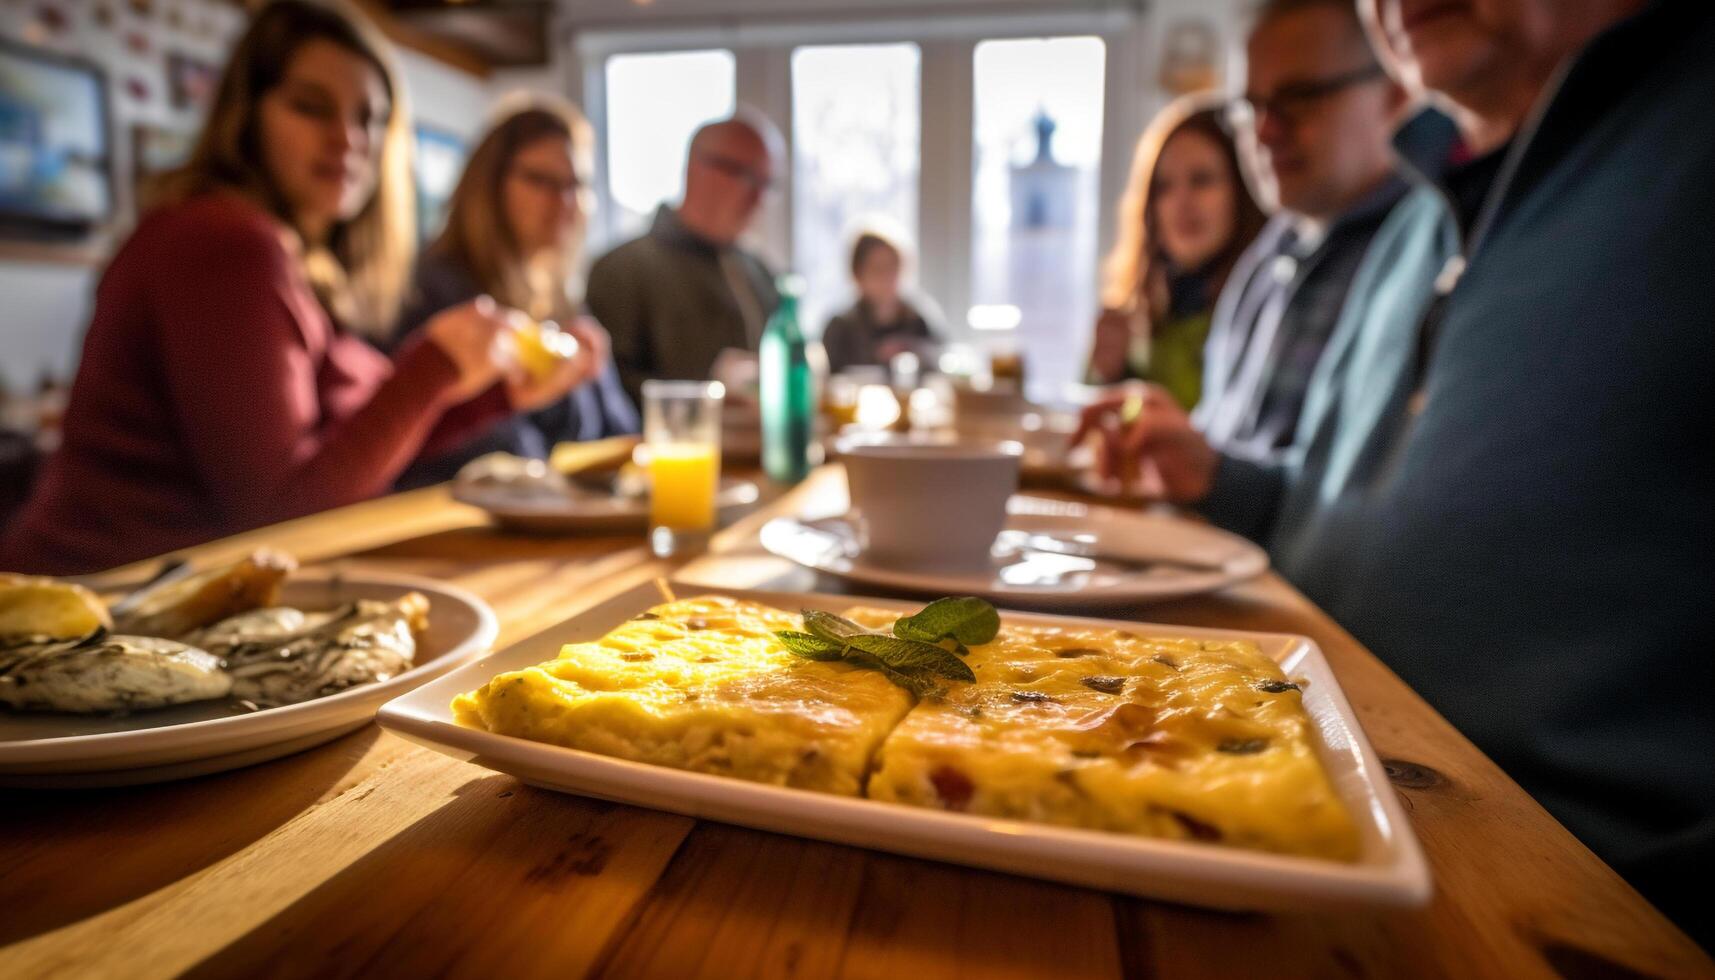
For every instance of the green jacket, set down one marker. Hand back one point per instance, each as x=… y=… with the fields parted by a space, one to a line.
x=1171 y=356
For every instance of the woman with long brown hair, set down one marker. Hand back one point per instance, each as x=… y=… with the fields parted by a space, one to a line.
x=515 y=231
x=226 y=380
x=1185 y=218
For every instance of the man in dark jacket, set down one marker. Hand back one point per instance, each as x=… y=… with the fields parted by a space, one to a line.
x=675 y=298
x=1531 y=549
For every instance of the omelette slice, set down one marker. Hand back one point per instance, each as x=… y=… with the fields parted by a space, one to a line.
x=701 y=684
x=1108 y=730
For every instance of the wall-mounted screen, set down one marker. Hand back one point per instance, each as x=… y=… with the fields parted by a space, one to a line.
x=55 y=152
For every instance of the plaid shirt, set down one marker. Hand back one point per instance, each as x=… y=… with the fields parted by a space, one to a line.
x=1272 y=322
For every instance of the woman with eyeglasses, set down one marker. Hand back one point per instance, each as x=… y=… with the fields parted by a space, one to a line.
x=515 y=231
x=228 y=379
x=1185 y=218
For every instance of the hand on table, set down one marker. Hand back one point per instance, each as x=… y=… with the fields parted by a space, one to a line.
x=1145 y=424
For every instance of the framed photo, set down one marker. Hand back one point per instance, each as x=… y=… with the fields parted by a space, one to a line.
x=191 y=82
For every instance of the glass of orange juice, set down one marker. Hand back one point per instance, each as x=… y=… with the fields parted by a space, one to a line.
x=682 y=442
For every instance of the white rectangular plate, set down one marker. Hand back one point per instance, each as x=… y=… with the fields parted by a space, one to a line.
x=1391 y=870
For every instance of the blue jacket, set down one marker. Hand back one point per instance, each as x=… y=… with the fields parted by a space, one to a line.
x=1299 y=504
x=1532 y=545
x=1274 y=321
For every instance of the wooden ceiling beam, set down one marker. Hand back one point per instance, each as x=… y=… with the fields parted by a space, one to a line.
x=406 y=36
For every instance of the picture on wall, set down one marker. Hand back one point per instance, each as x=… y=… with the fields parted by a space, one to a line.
x=192 y=82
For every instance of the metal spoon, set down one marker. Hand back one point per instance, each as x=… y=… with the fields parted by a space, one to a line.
x=171 y=570
x=1027 y=541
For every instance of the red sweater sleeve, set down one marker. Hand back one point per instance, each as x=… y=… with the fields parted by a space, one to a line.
x=242 y=343
x=462 y=423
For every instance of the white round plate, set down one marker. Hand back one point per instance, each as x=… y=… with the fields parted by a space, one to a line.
x=1148 y=550
x=65 y=750
x=583 y=511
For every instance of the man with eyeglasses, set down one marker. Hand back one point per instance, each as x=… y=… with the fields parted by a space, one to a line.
x=677 y=297
x=1314 y=125
x=1507 y=490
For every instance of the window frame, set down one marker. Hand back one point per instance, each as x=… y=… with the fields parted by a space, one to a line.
x=762 y=52
x=603 y=230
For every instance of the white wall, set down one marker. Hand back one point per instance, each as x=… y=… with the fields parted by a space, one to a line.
x=444 y=97
x=45 y=307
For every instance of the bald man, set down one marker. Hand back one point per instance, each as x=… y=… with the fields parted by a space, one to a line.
x=676 y=297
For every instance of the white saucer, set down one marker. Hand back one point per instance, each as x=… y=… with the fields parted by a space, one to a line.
x=583 y=511
x=1152 y=544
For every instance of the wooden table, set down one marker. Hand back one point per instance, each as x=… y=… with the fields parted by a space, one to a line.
x=370 y=856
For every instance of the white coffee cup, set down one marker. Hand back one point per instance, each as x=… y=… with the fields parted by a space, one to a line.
x=923 y=503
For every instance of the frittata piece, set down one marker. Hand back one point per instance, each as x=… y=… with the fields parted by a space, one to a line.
x=1109 y=730
x=701 y=684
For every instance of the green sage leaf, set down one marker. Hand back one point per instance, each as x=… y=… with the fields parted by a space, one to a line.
x=835 y=629
x=913 y=656
x=809 y=646
x=966 y=620
x=911 y=663
x=919 y=684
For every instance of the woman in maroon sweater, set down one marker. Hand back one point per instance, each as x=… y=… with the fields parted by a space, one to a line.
x=224 y=384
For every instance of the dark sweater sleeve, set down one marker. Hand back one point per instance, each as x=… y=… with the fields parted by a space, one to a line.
x=1244 y=496
x=437 y=283
x=615 y=298
x=231 y=320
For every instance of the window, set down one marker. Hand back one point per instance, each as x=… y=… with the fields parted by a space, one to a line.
x=855 y=136
x=1037 y=120
x=654 y=103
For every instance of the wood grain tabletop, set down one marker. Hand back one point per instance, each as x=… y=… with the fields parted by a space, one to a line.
x=370 y=856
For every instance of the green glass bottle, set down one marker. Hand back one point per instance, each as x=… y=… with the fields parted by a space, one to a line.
x=787 y=390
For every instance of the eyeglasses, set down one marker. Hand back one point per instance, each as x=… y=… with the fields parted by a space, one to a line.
x=1294 y=100
x=548 y=183
x=737 y=170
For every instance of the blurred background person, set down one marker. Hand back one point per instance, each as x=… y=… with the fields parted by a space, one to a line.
x=1184 y=220
x=881 y=323
x=1528 y=492
x=227 y=379
x=515 y=232
x=1315 y=122
x=675 y=298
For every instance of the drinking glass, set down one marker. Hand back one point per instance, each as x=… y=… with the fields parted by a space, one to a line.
x=682 y=439
x=1006 y=365
x=840 y=401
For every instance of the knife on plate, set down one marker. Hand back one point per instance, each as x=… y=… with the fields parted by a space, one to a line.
x=1029 y=541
